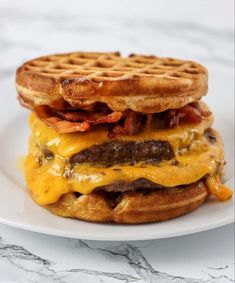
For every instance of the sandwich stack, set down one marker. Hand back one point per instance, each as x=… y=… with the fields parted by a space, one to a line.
x=119 y=139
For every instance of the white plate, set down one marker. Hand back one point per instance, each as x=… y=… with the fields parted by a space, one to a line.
x=17 y=209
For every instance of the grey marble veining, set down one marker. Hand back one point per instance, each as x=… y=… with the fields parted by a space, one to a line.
x=70 y=260
x=41 y=268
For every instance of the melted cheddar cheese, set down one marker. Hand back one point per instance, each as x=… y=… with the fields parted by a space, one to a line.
x=47 y=182
x=217 y=189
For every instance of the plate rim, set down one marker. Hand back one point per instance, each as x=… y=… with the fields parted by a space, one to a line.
x=57 y=233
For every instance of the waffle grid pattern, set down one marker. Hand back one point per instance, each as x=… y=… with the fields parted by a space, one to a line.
x=111 y=66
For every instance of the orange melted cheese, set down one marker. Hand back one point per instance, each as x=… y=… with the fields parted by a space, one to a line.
x=217 y=189
x=47 y=182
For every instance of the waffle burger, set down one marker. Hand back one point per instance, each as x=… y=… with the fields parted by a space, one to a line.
x=122 y=139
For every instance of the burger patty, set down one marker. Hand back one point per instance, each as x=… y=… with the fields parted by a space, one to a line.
x=142 y=183
x=122 y=152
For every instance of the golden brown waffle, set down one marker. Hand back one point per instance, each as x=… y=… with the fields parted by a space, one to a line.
x=141 y=83
x=132 y=207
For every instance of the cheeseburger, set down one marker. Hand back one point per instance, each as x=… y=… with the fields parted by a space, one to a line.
x=119 y=139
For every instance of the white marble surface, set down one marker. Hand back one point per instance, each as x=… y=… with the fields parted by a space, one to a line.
x=202 y=257
x=201 y=30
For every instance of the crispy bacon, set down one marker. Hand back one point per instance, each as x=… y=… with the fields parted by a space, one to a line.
x=110 y=118
x=149 y=120
x=187 y=113
x=131 y=125
x=43 y=112
x=124 y=123
x=92 y=118
x=60 y=104
x=205 y=113
x=61 y=126
x=77 y=116
x=191 y=114
x=117 y=130
x=172 y=118
x=64 y=127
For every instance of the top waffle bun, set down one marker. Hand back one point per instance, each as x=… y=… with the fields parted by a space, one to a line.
x=138 y=82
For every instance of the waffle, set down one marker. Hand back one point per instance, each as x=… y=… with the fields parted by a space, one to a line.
x=132 y=207
x=141 y=83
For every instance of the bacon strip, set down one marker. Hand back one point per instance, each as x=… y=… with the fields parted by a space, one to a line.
x=205 y=113
x=131 y=125
x=172 y=118
x=61 y=126
x=110 y=118
x=80 y=121
x=64 y=127
x=77 y=116
x=149 y=120
x=191 y=114
x=187 y=113
x=93 y=118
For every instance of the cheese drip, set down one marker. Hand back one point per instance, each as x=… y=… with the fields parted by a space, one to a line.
x=217 y=189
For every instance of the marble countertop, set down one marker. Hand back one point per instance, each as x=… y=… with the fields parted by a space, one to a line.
x=31 y=257
x=201 y=31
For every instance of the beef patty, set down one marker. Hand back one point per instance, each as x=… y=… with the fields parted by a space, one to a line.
x=122 y=152
x=139 y=184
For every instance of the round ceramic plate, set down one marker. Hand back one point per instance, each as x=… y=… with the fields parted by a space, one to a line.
x=17 y=209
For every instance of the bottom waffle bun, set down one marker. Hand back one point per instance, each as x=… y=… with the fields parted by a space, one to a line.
x=132 y=207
